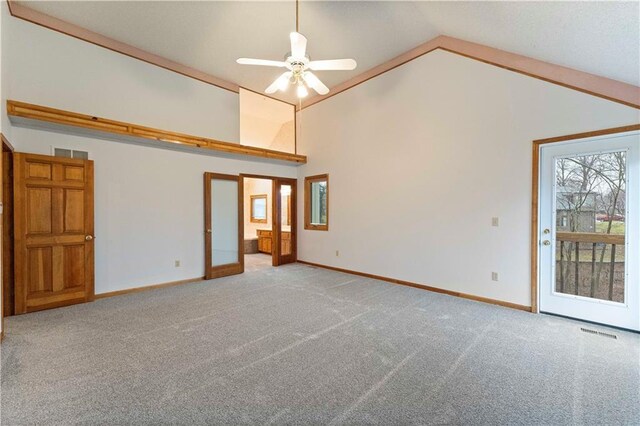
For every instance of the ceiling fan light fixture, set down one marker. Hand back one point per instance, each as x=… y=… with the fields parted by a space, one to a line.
x=299 y=66
x=302 y=91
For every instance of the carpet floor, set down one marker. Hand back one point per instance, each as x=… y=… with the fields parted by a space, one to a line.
x=302 y=345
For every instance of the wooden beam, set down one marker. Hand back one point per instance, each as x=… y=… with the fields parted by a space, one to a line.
x=114 y=128
x=590 y=237
x=602 y=87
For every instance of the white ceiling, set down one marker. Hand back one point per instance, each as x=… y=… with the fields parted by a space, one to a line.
x=598 y=37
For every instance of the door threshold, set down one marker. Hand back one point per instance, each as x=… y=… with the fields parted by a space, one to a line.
x=591 y=322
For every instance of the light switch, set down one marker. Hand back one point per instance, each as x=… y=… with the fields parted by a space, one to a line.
x=495 y=221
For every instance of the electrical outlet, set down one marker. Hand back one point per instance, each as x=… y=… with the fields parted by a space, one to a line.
x=337 y=253
x=494 y=276
x=177 y=263
x=495 y=221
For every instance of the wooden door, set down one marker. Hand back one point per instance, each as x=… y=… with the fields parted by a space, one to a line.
x=53 y=230
x=284 y=221
x=224 y=226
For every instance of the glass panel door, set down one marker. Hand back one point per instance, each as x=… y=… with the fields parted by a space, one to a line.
x=285 y=221
x=589 y=241
x=223 y=225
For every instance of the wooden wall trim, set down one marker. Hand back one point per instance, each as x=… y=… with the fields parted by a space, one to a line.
x=148 y=287
x=422 y=287
x=20 y=11
x=103 y=125
x=592 y=84
x=591 y=134
x=535 y=194
x=602 y=87
x=402 y=59
x=30 y=15
x=6 y=142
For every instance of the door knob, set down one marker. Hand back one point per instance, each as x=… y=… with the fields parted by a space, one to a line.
x=208 y=231
x=546 y=242
x=88 y=238
x=546 y=231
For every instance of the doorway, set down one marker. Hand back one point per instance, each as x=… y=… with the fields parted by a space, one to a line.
x=589 y=229
x=223 y=225
x=250 y=222
x=7 y=230
x=270 y=221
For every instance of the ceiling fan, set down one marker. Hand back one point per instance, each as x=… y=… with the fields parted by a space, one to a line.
x=300 y=67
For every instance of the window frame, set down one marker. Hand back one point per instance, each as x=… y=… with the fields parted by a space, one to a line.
x=308 y=181
x=252 y=217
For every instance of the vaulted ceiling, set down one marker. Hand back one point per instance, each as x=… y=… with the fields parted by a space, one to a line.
x=597 y=37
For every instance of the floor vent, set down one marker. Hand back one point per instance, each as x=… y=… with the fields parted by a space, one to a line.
x=599 y=333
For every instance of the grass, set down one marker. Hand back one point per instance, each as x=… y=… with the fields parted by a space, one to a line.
x=586 y=253
x=617 y=227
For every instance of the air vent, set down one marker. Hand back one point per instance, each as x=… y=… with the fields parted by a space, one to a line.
x=70 y=153
x=61 y=152
x=599 y=333
x=82 y=155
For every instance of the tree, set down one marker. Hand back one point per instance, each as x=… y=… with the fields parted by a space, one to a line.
x=602 y=178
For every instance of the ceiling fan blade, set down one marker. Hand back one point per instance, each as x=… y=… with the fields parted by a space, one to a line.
x=315 y=83
x=280 y=83
x=265 y=62
x=333 y=65
x=298 y=45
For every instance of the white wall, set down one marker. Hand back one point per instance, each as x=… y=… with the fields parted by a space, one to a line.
x=256 y=187
x=52 y=69
x=265 y=122
x=148 y=201
x=422 y=157
x=149 y=207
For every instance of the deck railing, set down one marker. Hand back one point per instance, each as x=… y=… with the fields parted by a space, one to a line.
x=573 y=244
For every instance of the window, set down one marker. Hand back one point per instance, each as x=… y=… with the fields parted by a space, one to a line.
x=259 y=208
x=316 y=202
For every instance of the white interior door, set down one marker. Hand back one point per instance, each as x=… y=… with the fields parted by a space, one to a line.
x=589 y=229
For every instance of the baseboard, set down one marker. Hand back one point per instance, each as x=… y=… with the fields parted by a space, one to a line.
x=423 y=287
x=147 y=287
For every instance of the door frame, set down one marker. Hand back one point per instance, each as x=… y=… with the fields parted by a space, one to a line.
x=8 y=283
x=276 y=257
x=275 y=212
x=230 y=268
x=535 y=198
